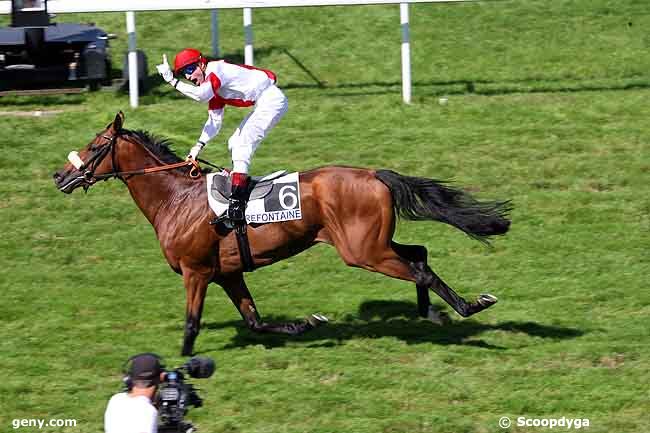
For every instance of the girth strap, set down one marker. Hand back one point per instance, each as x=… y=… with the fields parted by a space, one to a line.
x=244 y=248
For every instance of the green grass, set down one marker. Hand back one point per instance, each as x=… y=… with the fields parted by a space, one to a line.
x=548 y=106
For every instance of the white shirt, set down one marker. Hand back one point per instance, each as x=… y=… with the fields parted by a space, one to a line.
x=238 y=85
x=226 y=84
x=125 y=414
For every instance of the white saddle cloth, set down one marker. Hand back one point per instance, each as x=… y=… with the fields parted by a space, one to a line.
x=281 y=204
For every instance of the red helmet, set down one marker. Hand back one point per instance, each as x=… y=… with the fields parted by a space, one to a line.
x=187 y=57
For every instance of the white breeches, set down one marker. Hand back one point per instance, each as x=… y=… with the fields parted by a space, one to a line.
x=269 y=109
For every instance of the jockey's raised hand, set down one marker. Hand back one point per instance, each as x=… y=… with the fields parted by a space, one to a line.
x=164 y=70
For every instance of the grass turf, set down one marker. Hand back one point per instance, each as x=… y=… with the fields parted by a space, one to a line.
x=547 y=107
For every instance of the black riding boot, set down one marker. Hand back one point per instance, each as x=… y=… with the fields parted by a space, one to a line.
x=238 y=199
x=237 y=217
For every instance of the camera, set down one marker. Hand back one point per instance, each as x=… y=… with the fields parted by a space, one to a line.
x=176 y=396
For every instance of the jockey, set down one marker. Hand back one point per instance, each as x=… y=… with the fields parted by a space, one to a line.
x=220 y=83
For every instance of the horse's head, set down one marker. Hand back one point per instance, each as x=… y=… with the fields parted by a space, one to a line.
x=94 y=162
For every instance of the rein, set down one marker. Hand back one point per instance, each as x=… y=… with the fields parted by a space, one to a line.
x=195 y=172
x=89 y=174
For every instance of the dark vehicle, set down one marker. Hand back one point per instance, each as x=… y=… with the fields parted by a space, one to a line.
x=36 y=53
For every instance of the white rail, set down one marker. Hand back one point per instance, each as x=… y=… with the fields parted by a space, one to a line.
x=64 y=6
x=131 y=6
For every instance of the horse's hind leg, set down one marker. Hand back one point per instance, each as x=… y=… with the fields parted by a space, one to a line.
x=459 y=304
x=236 y=289
x=408 y=262
x=416 y=256
x=391 y=259
x=365 y=241
x=425 y=278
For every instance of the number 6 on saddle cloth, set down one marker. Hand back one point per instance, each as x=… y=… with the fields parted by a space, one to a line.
x=273 y=198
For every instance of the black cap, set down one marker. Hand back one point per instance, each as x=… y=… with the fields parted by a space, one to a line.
x=146 y=368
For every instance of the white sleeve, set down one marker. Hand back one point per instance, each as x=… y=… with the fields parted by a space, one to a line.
x=212 y=125
x=202 y=93
x=146 y=422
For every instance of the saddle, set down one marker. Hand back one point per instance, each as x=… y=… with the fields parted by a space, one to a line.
x=258 y=186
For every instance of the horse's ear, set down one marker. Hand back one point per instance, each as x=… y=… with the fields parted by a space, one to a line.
x=119 y=121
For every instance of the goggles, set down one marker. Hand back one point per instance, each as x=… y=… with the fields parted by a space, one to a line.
x=189 y=69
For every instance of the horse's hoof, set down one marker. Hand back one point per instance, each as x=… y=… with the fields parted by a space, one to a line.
x=317 y=320
x=486 y=300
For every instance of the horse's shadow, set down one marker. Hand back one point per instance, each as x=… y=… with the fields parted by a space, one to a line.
x=398 y=319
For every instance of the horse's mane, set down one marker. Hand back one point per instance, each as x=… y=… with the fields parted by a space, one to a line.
x=161 y=147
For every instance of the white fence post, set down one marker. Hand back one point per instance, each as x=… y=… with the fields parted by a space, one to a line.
x=248 y=33
x=406 y=52
x=215 y=33
x=132 y=59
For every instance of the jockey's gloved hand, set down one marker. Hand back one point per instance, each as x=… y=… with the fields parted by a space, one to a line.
x=194 y=152
x=164 y=70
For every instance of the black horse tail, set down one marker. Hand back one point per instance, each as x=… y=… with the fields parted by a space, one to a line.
x=418 y=199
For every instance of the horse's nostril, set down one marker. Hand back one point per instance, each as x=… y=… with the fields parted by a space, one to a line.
x=56 y=176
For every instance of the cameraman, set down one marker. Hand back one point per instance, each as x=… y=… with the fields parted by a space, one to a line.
x=133 y=411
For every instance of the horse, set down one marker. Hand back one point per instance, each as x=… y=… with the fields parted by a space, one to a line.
x=353 y=209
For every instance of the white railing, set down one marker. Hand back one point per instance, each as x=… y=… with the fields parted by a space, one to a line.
x=63 y=6
x=131 y=6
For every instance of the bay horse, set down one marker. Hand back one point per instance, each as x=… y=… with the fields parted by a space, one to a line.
x=353 y=209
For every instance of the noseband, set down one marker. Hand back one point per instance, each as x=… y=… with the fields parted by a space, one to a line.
x=98 y=157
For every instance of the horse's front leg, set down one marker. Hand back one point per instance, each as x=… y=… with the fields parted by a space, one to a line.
x=196 y=280
x=235 y=286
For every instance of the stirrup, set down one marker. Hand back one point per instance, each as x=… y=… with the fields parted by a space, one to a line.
x=221 y=219
x=237 y=212
x=227 y=219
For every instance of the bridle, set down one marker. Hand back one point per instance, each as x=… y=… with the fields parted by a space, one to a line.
x=93 y=162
